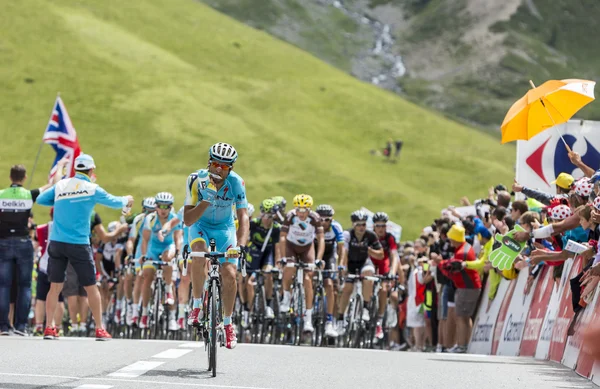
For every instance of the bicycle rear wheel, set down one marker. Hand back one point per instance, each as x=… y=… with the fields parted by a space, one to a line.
x=299 y=312
x=214 y=295
x=319 y=318
x=356 y=336
x=156 y=313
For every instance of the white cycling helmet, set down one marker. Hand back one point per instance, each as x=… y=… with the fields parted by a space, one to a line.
x=149 y=203
x=250 y=210
x=113 y=226
x=223 y=152
x=164 y=198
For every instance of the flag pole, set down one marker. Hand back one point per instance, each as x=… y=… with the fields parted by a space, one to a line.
x=551 y=118
x=37 y=157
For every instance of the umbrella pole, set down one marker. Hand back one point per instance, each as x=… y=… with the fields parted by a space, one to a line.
x=551 y=118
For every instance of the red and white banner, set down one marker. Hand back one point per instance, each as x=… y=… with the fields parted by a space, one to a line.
x=537 y=312
x=564 y=316
x=502 y=315
x=516 y=316
x=485 y=322
x=585 y=362
x=542 y=158
x=542 y=350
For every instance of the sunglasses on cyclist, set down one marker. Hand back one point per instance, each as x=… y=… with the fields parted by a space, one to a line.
x=380 y=225
x=361 y=224
x=302 y=209
x=164 y=206
x=327 y=219
x=223 y=166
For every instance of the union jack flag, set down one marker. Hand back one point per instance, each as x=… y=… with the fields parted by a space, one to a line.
x=61 y=135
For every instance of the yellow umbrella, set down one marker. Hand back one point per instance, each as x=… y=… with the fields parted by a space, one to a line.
x=554 y=102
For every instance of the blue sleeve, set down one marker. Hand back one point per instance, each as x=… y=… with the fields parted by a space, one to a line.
x=46 y=197
x=339 y=236
x=104 y=198
x=239 y=191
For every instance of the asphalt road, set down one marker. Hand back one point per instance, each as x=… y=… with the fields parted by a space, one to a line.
x=27 y=363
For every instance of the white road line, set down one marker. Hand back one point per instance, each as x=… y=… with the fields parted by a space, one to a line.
x=167 y=383
x=94 y=386
x=40 y=376
x=172 y=353
x=136 y=369
x=192 y=345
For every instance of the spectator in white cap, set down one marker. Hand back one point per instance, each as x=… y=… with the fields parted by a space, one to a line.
x=74 y=200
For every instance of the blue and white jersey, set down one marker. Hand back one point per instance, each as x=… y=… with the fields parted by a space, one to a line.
x=220 y=214
x=74 y=200
x=154 y=225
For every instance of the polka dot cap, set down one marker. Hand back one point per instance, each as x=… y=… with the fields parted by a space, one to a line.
x=584 y=187
x=561 y=212
x=597 y=203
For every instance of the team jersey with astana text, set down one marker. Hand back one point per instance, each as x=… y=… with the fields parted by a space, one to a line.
x=220 y=213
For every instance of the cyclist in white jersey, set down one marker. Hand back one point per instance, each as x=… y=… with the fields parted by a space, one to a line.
x=298 y=232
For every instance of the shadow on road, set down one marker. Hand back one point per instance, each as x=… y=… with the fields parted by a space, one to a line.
x=181 y=373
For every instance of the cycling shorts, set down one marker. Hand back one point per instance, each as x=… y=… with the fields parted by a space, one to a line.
x=256 y=260
x=356 y=267
x=225 y=239
x=330 y=264
x=109 y=267
x=306 y=254
x=155 y=253
x=382 y=266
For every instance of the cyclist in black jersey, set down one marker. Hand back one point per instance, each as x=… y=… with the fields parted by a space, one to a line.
x=334 y=250
x=361 y=244
x=263 y=253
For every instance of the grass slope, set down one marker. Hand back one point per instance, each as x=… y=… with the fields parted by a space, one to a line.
x=150 y=85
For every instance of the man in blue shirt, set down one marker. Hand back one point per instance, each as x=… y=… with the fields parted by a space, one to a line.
x=74 y=200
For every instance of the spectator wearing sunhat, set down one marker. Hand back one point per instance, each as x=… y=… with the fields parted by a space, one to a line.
x=563 y=182
x=467 y=283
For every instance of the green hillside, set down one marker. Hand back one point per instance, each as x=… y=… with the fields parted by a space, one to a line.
x=150 y=85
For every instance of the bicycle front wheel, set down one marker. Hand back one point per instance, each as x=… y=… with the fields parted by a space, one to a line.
x=214 y=295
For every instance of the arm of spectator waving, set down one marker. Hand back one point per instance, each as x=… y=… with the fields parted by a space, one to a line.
x=46 y=198
x=576 y=160
x=104 y=198
x=544 y=198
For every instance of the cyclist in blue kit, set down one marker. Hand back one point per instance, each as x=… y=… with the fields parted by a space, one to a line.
x=209 y=212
